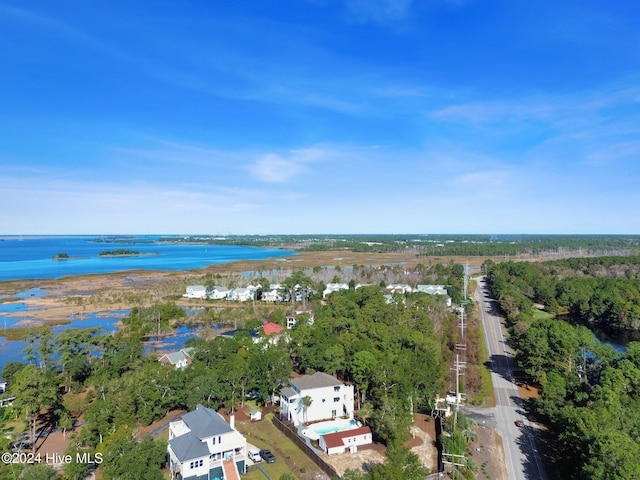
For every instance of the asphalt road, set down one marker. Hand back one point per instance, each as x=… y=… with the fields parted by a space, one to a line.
x=521 y=454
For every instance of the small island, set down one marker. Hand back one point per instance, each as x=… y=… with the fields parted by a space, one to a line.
x=61 y=256
x=118 y=253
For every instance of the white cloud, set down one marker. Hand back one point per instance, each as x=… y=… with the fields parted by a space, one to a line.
x=283 y=167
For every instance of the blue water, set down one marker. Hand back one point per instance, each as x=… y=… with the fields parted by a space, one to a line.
x=31 y=257
x=336 y=428
x=106 y=321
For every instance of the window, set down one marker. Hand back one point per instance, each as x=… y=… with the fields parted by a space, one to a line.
x=336 y=399
x=336 y=388
x=334 y=413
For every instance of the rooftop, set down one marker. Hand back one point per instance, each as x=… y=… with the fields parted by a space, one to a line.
x=317 y=380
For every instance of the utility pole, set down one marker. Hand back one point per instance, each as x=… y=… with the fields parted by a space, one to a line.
x=466 y=282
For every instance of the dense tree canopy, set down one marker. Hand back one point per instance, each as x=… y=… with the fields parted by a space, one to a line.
x=590 y=392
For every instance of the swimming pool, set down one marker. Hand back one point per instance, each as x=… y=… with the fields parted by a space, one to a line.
x=315 y=431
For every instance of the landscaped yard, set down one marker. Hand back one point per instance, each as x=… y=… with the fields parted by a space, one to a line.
x=264 y=434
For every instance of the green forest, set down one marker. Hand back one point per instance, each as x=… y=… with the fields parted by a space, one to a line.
x=590 y=392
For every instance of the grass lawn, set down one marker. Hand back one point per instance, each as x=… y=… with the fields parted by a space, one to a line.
x=290 y=459
x=485 y=397
x=540 y=314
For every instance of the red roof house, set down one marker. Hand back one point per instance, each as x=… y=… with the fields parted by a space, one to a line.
x=271 y=328
x=339 y=442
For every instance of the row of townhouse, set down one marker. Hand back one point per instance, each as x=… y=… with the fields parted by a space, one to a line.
x=273 y=293
x=221 y=293
x=393 y=289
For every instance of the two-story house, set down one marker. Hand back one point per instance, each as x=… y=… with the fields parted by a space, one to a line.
x=316 y=397
x=203 y=446
x=292 y=318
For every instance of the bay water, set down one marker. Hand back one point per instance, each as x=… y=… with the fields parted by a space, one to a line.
x=34 y=257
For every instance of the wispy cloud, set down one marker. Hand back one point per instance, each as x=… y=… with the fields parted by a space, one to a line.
x=283 y=167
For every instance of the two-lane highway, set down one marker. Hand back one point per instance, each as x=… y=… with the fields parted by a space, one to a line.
x=521 y=454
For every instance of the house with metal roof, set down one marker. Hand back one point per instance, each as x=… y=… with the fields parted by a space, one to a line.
x=327 y=398
x=203 y=446
x=179 y=359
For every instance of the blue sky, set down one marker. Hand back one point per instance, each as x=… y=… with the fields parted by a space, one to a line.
x=319 y=116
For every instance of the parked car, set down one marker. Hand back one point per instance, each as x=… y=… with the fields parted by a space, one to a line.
x=254 y=456
x=519 y=424
x=267 y=456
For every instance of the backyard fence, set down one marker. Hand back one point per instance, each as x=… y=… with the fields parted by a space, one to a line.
x=292 y=434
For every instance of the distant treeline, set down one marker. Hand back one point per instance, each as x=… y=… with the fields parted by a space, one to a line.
x=435 y=245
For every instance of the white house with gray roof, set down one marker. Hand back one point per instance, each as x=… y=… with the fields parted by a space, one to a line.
x=203 y=446
x=180 y=359
x=330 y=398
x=196 y=291
x=435 y=290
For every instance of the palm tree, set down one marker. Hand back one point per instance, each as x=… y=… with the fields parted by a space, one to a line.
x=306 y=403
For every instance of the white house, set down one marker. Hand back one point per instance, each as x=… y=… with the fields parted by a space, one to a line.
x=3 y=385
x=334 y=287
x=346 y=440
x=180 y=359
x=292 y=318
x=202 y=445
x=218 y=293
x=328 y=396
x=435 y=290
x=196 y=291
x=241 y=294
x=401 y=288
x=272 y=295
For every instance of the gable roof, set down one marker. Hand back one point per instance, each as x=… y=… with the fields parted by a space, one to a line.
x=188 y=446
x=174 y=357
x=205 y=422
x=317 y=380
x=336 y=439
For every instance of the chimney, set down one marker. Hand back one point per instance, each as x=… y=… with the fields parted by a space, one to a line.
x=232 y=421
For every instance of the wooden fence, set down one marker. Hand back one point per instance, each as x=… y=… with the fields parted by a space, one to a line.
x=292 y=434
